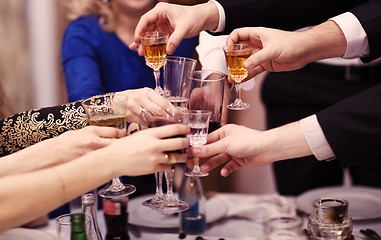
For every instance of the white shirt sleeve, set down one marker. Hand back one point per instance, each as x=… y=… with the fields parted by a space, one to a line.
x=316 y=139
x=357 y=40
x=221 y=12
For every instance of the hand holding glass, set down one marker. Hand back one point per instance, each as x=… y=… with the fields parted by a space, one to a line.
x=169 y=204
x=236 y=55
x=198 y=121
x=155 y=52
x=109 y=110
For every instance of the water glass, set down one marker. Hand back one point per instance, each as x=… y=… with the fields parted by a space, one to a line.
x=283 y=227
x=63 y=226
x=176 y=80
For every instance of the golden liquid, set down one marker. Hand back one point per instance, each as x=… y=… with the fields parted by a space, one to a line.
x=234 y=61
x=117 y=121
x=155 y=55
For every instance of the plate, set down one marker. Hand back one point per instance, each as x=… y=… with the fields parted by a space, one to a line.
x=25 y=234
x=364 y=203
x=145 y=216
x=193 y=237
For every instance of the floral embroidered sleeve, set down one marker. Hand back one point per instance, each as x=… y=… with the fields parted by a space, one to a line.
x=27 y=128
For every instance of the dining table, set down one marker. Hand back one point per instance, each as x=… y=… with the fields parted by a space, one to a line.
x=230 y=216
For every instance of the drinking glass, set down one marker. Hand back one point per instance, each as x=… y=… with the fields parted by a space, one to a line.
x=109 y=110
x=208 y=93
x=155 y=46
x=283 y=227
x=170 y=204
x=176 y=80
x=63 y=226
x=198 y=121
x=235 y=56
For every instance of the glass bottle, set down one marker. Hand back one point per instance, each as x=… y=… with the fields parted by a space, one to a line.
x=89 y=209
x=193 y=220
x=283 y=227
x=78 y=231
x=330 y=220
x=116 y=218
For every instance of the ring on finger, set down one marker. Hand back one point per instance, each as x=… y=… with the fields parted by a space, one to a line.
x=170 y=159
x=142 y=113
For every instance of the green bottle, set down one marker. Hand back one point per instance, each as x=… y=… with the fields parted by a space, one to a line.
x=78 y=231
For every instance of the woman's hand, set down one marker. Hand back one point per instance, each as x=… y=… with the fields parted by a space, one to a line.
x=58 y=150
x=144 y=99
x=147 y=151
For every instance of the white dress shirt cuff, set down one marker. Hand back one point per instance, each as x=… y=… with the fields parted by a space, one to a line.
x=357 y=40
x=221 y=12
x=316 y=139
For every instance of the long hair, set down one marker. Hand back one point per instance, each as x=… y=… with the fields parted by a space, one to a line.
x=78 y=8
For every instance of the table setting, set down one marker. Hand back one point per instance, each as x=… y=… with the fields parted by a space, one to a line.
x=199 y=97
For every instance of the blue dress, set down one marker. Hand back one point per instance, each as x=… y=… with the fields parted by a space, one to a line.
x=96 y=62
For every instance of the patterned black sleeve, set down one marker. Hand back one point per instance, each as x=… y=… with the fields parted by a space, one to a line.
x=27 y=128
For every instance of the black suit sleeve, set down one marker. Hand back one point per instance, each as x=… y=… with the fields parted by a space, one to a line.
x=369 y=15
x=281 y=14
x=353 y=126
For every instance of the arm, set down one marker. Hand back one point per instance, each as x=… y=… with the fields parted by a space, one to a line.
x=239 y=146
x=27 y=128
x=55 y=151
x=80 y=59
x=59 y=184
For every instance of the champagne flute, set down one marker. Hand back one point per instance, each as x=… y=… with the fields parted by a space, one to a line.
x=155 y=47
x=235 y=55
x=109 y=110
x=170 y=204
x=198 y=121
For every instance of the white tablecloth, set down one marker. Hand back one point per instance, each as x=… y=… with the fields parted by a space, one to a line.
x=239 y=223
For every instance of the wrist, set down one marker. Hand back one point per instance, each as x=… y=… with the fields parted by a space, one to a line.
x=285 y=142
x=325 y=40
x=210 y=10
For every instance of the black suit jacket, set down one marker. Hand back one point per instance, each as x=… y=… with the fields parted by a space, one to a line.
x=352 y=126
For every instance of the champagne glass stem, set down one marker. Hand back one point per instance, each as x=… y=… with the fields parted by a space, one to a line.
x=169 y=181
x=158 y=88
x=238 y=91
x=196 y=167
x=159 y=185
x=117 y=185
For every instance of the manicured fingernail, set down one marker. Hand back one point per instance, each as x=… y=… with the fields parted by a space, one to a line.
x=248 y=64
x=170 y=49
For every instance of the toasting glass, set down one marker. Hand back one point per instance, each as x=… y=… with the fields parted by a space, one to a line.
x=169 y=204
x=155 y=46
x=109 y=110
x=208 y=92
x=235 y=55
x=176 y=82
x=198 y=121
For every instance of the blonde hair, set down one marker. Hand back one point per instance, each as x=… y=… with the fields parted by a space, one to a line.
x=78 y=8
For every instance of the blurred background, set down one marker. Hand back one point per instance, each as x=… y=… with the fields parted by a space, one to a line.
x=31 y=76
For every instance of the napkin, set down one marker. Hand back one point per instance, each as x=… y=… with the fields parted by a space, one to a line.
x=256 y=207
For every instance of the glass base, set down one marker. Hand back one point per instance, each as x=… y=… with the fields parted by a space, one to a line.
x=154 y=202
x=109 y=192
x=172 y=206
x=238 y=105
x=196 y=174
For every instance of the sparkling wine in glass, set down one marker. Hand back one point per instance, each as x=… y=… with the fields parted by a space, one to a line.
x=169 y=204
x=109 y=110
x=155 y=47
x=235 y=56
x=198 y=121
